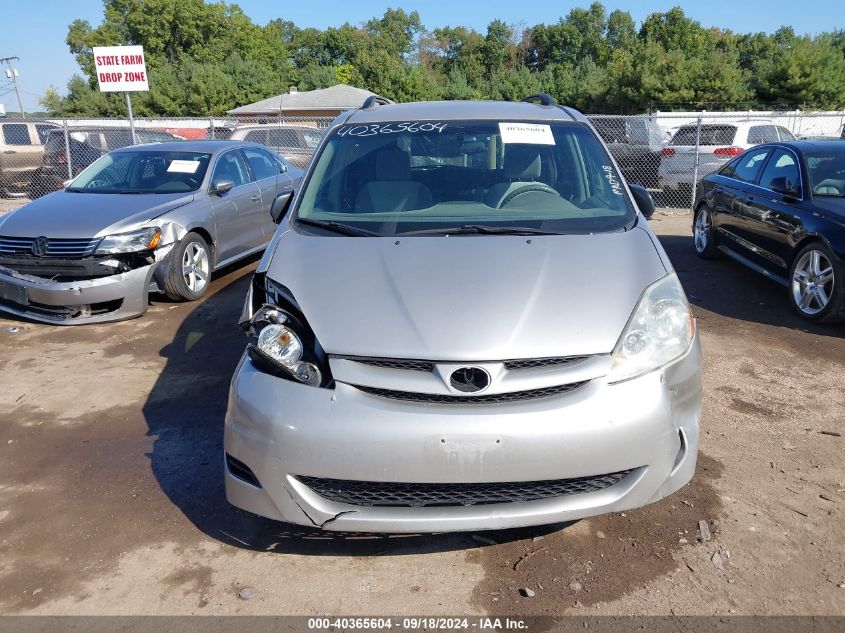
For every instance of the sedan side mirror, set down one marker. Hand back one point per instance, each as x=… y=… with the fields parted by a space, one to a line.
x=785 y=186
x=280 y=206
x=219 y=187
x=643 y=199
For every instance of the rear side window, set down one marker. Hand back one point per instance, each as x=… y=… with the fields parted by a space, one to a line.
x=16 y=134
x=43 y=130
x=785 y=135
x=782 y=165
x=749 y=165
x=710 y=135
x=256 y=136
x=762 y=134
x=611 y=130
x=54 y=142
x=638 y=130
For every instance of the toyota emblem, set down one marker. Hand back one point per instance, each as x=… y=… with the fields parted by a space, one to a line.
x=469 y=379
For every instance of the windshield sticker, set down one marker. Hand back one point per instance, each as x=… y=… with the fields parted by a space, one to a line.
x=615 y=185
x=528 y=133
x=183 y=166
x=372 y=129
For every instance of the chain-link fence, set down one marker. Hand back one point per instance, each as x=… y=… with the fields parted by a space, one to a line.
x=668 y=153
x=38 y=156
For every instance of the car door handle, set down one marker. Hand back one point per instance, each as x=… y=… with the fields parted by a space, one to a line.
x=255 y=198
x=9 y=151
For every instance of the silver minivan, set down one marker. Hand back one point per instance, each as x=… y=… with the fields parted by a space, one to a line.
x=463 y=322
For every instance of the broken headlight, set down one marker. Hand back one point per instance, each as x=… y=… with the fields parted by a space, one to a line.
x=282 y=344
x=133 y=242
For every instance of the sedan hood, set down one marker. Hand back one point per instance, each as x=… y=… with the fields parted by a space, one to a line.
x=70 y=215
x=467 y=298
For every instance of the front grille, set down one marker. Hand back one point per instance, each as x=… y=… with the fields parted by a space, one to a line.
x=531 y=363
x=428 y=365
x=415 y=495
x=56 y=247
x=493 y=398
x=392 y=363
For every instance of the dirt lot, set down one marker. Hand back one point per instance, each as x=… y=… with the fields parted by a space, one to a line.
x=111 y=495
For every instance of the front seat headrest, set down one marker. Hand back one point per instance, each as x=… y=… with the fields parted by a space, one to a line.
x=522 y=162
x=393 y=164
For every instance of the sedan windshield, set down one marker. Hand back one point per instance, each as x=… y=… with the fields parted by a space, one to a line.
x=143 y=172
x=826 y=166
x=464 y=177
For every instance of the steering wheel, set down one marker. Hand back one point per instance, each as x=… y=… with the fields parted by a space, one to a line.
x=536 y=187
x=97 y=184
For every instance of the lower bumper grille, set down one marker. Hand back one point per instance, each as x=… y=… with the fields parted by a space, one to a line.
x=416 y=495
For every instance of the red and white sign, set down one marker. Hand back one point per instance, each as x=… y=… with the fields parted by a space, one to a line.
x=121 y=68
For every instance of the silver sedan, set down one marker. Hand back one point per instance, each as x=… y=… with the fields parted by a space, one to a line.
x=159 y=217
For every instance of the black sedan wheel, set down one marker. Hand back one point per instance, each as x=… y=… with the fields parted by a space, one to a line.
x=816 y=281
x=703 y=234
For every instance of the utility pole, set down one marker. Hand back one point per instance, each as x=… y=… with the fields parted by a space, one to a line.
x=13 y=75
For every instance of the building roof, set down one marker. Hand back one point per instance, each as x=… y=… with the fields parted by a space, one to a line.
x=339 y=97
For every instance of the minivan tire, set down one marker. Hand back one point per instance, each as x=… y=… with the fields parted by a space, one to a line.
x=705 y=242
x=185 y=267
x=834 y=310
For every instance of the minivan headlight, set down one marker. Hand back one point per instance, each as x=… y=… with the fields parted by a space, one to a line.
x=132 y=242
x=276 y=346
x=659 y=331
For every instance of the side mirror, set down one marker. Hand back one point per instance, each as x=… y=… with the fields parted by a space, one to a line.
x=280 y=206
x=219 y=187
x=785 y=186
x=643 y=199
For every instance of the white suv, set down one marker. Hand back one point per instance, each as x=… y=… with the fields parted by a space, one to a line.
x=718 y=143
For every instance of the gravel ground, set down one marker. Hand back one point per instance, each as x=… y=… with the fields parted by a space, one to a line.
x=111 y=496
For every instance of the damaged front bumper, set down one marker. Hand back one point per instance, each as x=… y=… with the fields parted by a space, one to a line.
x=113 y=298
x=287 y=444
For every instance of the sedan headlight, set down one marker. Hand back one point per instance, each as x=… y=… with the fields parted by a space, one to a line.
x=133 y=242
x=659 y=331
x=277 y=347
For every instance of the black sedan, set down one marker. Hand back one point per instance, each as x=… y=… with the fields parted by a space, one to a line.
x=779 y=208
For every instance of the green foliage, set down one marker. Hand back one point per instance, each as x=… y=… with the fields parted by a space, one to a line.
x=206 y=58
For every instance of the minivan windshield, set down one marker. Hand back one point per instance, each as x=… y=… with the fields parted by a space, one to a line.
x=458 y=176
x=143 y=172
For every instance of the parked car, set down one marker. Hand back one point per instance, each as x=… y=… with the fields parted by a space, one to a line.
x=296 y=143
x=463 y=323
x=86 y=145
x=635 y=143
x=779 y=208
x=160 y=217
x=717 y=144
x=20 y=154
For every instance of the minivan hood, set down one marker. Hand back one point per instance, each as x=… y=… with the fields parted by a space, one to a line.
x=467 y=298
x=64 y=214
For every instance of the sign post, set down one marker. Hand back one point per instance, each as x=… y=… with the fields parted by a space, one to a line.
x=122 y=69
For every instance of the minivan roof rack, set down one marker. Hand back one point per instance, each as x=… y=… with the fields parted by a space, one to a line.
x=374 y=101
x=542 y=97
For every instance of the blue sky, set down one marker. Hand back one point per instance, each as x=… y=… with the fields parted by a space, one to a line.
x=35 y=30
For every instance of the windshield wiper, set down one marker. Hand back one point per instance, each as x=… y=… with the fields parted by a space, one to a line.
x=338 y=227
x=467 y=229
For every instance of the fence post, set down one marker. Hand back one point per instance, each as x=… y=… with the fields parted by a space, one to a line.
x=695 y=168
x=68 y=158
x=211 y=127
